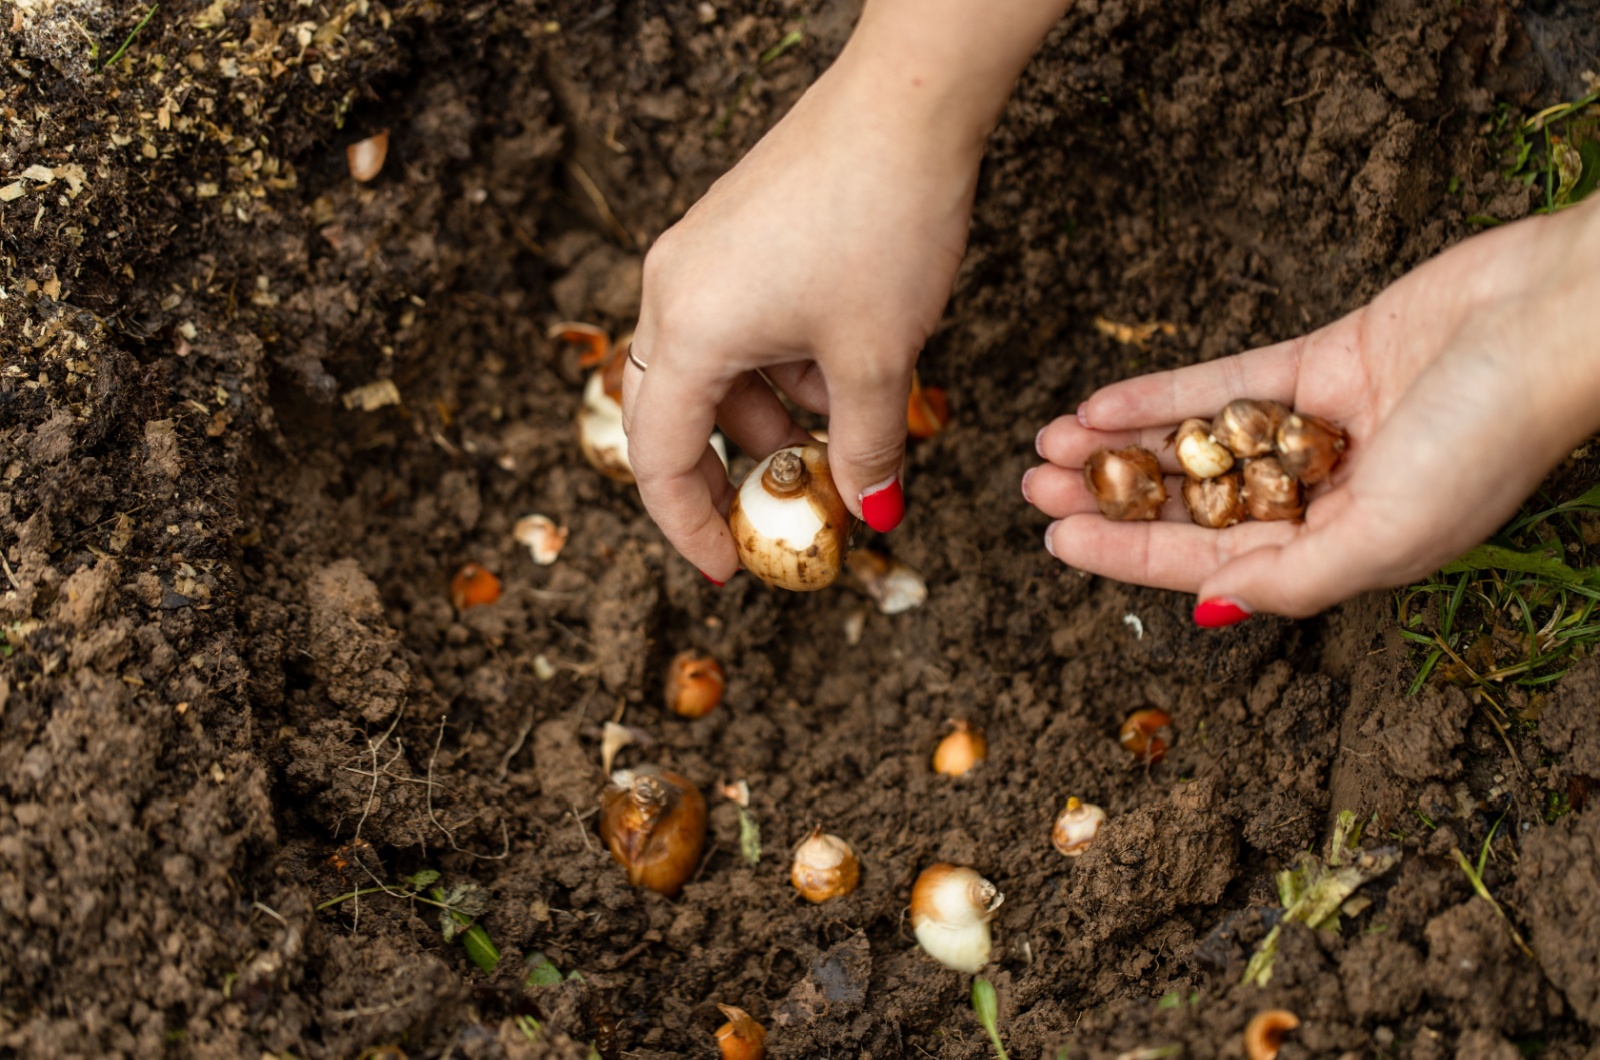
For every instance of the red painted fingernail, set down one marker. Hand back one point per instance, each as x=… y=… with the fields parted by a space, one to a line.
x=710 y=579
x=1083 y=414
x=1213 y=614
x=1026 y=475
x=883 y=506
x=1049 y=537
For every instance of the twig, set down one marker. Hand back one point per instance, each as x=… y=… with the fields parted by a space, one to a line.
x=504 y=831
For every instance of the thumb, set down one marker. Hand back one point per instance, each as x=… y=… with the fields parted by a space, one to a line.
x=867 y=444
x=1320 y=567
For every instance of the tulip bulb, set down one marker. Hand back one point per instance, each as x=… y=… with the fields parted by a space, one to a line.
x=824 y=867
x=1199 y=454
x=474 y=585
x=600 y=433
x=951 y=907
x=1263 y=1035
x=1076 y=827
x=1141 y=734
x=694 y=684
x=1215 y=502
x=961 y=749
x=741 y=1038
x=1309 y=447
x=789 y=523
x=1125 y=483
x=654 y=823
x=1270 y=492
x=1247 y=427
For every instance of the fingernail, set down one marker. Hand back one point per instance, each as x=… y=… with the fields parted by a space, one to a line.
x=1026 y=475
x=1083 y=414
x=1049 y=538
x=710 y=579
x=1218 y=612
x=883 y=505
x=1038 y=442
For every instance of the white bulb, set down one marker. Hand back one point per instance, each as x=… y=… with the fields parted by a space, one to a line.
x=789 y=522
x=600 y=431
x=1201 y=455
x=1077 y=827
x=951 y=907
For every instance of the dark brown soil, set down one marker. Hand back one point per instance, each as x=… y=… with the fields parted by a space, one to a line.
x=234 y=686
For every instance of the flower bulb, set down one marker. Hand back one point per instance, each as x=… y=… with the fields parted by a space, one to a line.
x=788 y=521
x=951 y=907
x=1215 y=502
x=1309 y=447
x=1125 y=483
x=1076 y=827
x=1198 y=453
x=961 y=749
x=654 y=823
x=1247 y=427
x=1270 y=492
x=824 y=867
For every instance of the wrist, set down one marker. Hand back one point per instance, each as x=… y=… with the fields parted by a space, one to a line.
x=940 y=69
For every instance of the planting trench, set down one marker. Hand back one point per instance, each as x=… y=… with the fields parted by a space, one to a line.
x=235 y=688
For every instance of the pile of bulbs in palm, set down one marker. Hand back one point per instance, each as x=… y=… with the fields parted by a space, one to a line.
x=1254 y=460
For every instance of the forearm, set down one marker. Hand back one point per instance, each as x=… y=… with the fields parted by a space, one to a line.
x=947 y=65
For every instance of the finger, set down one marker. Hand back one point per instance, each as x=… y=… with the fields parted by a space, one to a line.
x=670 y=413
x=755 y=419
x=803 y=382
x=1059 y=492
x=867 y=443
x=1164 y=555
x=1269 y=373
x=1068 y=444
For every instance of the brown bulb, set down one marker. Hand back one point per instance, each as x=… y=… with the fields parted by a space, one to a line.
x=365 y=157
x=1263 y=1035
x=964 y=747
x=1270 y=492
x=1199 y=454
x=1247 y=427
x=789 y=523
x=1309 y=447
x=1125 y=483
x=694 y=684
x=741 y=1038
x=654 y=822
x=1215 y=502
x=1141 y=734
x=824 y=867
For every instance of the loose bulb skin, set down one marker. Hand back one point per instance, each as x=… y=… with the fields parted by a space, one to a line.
x=694 y=684
x=1215 y=502
x=544 y=538
x=1076 y=827
x=927 y=410
x=1141 y=734
x=951 y=907
x=961 y=749
x=1263 y=1035
x=474 y=585
x=824 y=867
x=1199 y=454
x=789 y=523
x=1270 y=492
x=366 y=157
x=654 y=823
x=1125 y=483
x=741 y=1038
x=1309 y=447
x=1248 y=427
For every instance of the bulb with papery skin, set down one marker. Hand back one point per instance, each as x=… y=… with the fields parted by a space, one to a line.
x=951 y=906
x=824 y=867
x=1270 y=492
x=1309 y=447
x=1199 y=454
x=789 y=523
x=600 y=433
x=1215 y=502
x=1076 y=827
x=654 y=823
x=1125 y=483
x=1248 y=427
x=741 y=1038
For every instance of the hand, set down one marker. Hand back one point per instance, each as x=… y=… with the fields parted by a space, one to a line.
x=1461 y=385
x=822 y=261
